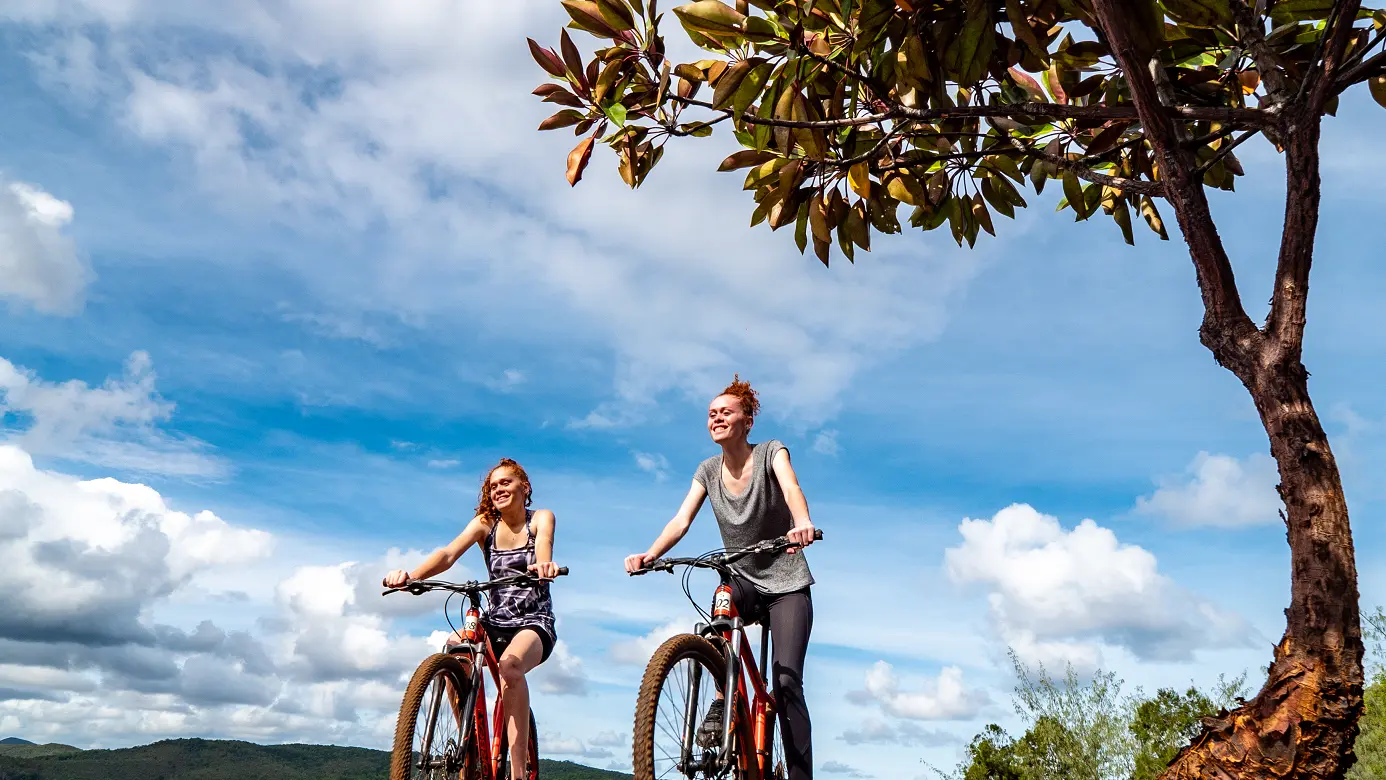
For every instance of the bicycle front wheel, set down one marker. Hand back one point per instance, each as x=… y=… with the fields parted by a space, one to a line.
x=429 y=742
x=684 y=676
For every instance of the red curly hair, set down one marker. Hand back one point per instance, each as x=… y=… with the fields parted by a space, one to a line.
x=743 y=392
x=484 y=507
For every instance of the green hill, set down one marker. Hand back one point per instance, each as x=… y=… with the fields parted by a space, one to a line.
x=201 y=759
x=18 y=748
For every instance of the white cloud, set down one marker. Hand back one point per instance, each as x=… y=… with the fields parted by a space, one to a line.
x=444 y=463
x=114 y=425
x=489 y=220
x=945 y=698
x=509 y=379
x=653 y=463
x=1218 y=491
x=839 y=768
x=562 y=674
x=39 y=263
x=637 y=651
x=825 y=443
x=878 y=732
x=558 y=744
x=1061 y=595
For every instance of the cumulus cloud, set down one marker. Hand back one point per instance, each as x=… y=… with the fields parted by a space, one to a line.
x=636 y=651
x=562 y=674
x=825 y=443
x=944 y=698
x=874 y=731
x=1058 y=596
x=39 y=264
x=558 y=744
x=1218 y=491
x=115 y=424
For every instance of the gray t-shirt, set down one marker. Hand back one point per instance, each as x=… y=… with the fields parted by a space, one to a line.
x=757 y=514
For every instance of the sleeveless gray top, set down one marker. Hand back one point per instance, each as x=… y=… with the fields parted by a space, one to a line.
x=757 y=514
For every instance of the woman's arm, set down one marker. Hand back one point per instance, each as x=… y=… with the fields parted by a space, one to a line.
x=802 y=533
x=543 y=525
x=673 y=531
x=443 y=558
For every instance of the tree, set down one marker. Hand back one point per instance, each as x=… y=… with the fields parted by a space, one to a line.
x=847 y=109
x=1371 y=742
x=1166 y=722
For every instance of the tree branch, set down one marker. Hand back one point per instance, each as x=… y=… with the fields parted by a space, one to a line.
x=1223 y=152
x=1243 y=117
x=1372 y=66
x=1267 y=62
x=1289 y=299
x=1152 y=188
x=1227 y=330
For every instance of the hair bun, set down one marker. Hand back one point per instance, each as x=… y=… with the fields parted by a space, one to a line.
x=750 y=404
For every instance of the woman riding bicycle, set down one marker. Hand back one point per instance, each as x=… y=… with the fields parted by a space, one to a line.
x=519 y=622
x=756 y=496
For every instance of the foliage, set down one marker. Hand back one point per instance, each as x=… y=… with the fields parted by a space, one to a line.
x=1371 y=740
x=1169 y=720
x=30 y=750
x=199 y=759
x=846 y=109
x=1089 y=730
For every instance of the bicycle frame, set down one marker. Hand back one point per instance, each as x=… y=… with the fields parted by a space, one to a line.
x=754 y=706
x=476 y=647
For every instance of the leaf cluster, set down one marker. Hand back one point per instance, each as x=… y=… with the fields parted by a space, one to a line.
x=849 y=110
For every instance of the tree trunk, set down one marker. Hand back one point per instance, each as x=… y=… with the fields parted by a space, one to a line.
x=1303 y=722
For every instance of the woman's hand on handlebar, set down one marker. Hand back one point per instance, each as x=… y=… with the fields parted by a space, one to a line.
x=634 y=563
x=545 y=570
x=801 y=536
x=397 y=579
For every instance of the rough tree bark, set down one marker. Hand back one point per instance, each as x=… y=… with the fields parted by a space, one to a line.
x=1303 y=722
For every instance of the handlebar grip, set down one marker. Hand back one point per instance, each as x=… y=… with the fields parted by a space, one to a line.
x=562 y=571
x=818 y=534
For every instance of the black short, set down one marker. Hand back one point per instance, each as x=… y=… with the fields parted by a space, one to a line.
x=501 y=636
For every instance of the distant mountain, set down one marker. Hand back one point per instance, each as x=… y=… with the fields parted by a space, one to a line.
x=202 y=759
x=14 y=741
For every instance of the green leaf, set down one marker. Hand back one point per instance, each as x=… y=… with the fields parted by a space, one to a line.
x=1201 y=13
x=1073 y=193
x=1152 y=217
x=1287 y=11
x=751 y=87
x=968 y=54
x=616 y=112
x=731 y=80
x=587 y=16
x=1377 y=85
x=616 y=14
x=1122 y=215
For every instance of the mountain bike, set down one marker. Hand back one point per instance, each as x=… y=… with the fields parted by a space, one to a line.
x=689 y=671
x=443 y=732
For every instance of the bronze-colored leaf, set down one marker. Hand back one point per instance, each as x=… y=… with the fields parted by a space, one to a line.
x=608 y=78
x=1056 y=88
x=859 y=179
x=548 y=59
x=616 y=14
x=822 y=247
x=710 y=16
x=587 y=16
x=1122 y=216
x=1030 y=85
x=818 y=219
x=980 y=213
x=572 y=59
x=1020 y=25
x=578 y=158
x=730 y=82
x=745 y=159
x=969 y=52
x=1108 y=138
x=565 y=118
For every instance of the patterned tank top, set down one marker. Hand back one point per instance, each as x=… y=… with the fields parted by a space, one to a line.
x=517 y=606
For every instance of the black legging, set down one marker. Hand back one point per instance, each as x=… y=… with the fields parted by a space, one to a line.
x=791 y=621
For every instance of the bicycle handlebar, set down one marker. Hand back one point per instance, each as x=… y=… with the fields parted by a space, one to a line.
x=418 y=587
x=724 y=559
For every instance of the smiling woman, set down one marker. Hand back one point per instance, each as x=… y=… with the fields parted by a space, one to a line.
x=520 y=622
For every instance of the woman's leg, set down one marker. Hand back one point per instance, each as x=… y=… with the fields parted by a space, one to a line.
x=523 y=654
x=791 y=622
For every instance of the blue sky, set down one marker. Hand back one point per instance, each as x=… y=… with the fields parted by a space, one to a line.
x=311 y=270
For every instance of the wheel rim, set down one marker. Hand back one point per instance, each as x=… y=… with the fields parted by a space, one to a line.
x=676 y=702
x=437 y=753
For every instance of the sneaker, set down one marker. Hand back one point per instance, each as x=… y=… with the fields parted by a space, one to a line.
x=710 y=733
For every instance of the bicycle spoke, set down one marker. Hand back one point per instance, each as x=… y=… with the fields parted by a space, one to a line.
x=437 y=753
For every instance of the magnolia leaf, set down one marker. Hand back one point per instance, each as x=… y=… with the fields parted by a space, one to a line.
x=548 y=59
x=1122 y=215
x=859 y=179
x=1152 y=217
x=553 y=93
x=818 y=219
x=565 y=118
x=822 y=249
x=1030 y=85
x=1023 y=31
x=751 y=87
x=572 y=59
x=968 y=53
x=616 y=112
x=616 y=14
x=745 y=159
x=578 y=158
x=710 y=16
x=981 y=215
x=801 y=227
x=1073 y=192
x=1377 y=85
x=1108 y=138
x=1052 y=78
x=587 y=16
x=606 y=81
x=730 y=81
x=857 y=226
x=1287 y=11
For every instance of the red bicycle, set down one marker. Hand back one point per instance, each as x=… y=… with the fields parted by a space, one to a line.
x=443 y=732
x=690 y=671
